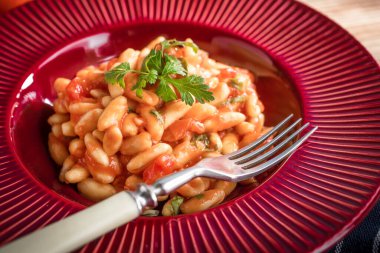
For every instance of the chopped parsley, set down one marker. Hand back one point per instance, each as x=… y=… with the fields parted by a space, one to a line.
x=158 y=116
x=131 y=109
x=201 y=141
x=175 y=204
x=199 y=196
x=234 y=100
x=237 y=99
x=151 y=213
x=175 y=43
x=233 y=82
x=172 y=207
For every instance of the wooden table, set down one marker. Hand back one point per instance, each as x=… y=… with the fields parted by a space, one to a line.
x=360 y=17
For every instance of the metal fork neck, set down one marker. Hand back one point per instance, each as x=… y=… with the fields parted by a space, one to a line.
x=146 y=195
x=171 y=182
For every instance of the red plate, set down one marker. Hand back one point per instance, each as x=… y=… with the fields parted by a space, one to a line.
x=316 y=198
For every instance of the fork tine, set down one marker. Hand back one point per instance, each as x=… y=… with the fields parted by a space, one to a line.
x=277 y=159
x=263 y=148
x=260 y=158
x=253 y=145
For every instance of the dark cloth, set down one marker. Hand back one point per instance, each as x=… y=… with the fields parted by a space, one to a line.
x=365 y=238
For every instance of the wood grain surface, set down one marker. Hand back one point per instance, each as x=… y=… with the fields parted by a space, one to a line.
x=359 y=17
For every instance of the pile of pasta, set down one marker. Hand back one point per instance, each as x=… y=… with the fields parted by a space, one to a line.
x=107 y=139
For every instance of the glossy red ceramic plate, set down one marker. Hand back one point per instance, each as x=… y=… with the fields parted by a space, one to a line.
x=310 y=203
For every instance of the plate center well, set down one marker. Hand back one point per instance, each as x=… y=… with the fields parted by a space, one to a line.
x=32 y=103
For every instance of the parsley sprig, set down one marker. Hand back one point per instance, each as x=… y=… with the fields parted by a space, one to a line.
x=168 y=72
x=116 y=75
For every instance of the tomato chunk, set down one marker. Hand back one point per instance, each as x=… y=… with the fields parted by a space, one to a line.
x=77 y=89
x=161 y=166
x=179 y=129
x=227 y=73
x=80 y=88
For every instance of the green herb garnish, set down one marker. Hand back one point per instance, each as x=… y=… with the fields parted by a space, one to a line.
x=168 y=72
x=116 y=75
x=175 y=43
x=151 y=213
x=201 y=141
x=131 y=109
x=234 y=100
x=175 y=203
x=237 y=99
x=233 y=82
x=158 y=116
x=199 y=196
x=191 y=87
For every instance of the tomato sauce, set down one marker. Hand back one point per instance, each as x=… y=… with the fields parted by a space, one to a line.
x=113 y=169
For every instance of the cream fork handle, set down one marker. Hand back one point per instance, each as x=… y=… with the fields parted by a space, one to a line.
x=80 y=228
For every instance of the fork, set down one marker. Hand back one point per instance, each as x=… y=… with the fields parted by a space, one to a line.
x=85 y=226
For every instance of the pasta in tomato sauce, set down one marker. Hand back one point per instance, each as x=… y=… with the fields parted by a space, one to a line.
x=108 y=138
